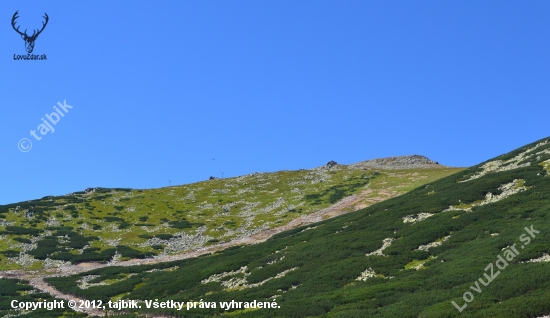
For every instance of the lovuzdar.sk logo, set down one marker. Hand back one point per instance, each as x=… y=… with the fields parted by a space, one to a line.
x=29 y=39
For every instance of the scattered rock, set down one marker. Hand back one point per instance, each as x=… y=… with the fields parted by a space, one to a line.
x=399 y=162
x=433 y=244
x=544 y=258
x=516 y=162
x=385 y=244
x=508 y=189
x=368 y=273
x=419 y=217
x=90 y=190
x=239 y=278
x=29 y=214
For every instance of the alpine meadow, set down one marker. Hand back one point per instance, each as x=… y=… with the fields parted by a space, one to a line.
x=275 y=159
x=469 y=243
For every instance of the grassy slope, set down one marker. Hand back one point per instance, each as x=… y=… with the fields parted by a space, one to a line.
x=11 y=289
x=98 y=225
x=315 y=272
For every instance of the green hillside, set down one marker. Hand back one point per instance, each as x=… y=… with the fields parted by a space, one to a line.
x=14 y=289
x=410 y=256
x=112 y=225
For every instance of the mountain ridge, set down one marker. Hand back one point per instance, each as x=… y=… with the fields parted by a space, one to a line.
x=104 y=224
x=398 y=162
x=384 y=163
x=410 y=256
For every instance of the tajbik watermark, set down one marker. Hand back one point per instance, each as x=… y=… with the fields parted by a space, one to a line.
x=46 y=126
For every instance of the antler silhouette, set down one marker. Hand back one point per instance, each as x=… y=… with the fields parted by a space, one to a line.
x=13 y=24
x=29 y=40
x=43 y=25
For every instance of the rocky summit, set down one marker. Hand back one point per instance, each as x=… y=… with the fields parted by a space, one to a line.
x=399 y=162
x=473 y=244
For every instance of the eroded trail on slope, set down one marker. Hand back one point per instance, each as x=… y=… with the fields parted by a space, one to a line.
x=346 y=205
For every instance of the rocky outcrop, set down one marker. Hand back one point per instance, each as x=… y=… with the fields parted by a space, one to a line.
x=90 y=190
x=331 y=164
x=399 y=162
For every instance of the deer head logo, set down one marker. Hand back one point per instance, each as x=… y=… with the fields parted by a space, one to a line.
x=29 y=40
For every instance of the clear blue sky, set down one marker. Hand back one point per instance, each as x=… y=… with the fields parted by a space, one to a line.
x=160 y=88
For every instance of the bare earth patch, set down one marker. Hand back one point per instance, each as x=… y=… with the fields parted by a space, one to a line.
x=371 y=195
